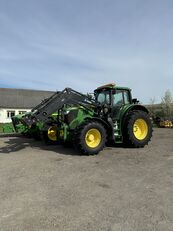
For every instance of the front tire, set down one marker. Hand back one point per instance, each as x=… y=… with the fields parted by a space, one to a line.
x=90 y=138
x=50 y=135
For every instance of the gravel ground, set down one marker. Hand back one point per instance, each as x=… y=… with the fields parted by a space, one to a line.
x=54 y=188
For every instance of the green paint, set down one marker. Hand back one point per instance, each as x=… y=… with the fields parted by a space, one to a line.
x=6 y=128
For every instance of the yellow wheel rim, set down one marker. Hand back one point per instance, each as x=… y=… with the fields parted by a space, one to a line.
x=140 y=129
x=93 y=138
x=52 y=133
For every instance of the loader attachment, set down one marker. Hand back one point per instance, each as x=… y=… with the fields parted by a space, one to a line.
x=67 y=97
x=17 y=120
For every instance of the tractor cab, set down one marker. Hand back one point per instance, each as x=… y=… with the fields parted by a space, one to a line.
x=113 y=97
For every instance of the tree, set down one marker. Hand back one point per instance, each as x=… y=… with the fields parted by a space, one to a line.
x=167 y=104
x=152 y=106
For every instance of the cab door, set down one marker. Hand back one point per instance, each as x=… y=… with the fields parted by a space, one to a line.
x=120 y=98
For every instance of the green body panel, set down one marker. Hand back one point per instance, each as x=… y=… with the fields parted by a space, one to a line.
x=120 y=88
x=120 y=119
x=81 y=114
x=118 y=125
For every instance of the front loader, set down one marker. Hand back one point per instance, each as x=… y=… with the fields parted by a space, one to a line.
x=34 y=130
x=88 y=123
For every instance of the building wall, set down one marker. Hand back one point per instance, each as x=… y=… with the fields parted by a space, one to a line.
x=5 y=114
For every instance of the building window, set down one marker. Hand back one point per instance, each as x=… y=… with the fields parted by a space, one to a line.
x=22 y=112
x=10 y=114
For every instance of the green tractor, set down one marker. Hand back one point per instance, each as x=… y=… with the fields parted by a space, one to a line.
x=89 y=123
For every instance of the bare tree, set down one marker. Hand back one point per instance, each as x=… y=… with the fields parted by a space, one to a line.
x=167 y=104
x=152 y=106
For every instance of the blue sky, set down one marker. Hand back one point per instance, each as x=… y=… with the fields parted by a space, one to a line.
x=53 y=44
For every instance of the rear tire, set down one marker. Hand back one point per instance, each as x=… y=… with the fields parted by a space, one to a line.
x=137 y=131
x=90 y=138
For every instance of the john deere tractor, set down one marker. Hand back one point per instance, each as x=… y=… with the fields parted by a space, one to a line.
x=88 y=123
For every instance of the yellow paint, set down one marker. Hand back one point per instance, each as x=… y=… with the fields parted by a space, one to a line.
x=52 y=133
x=140 y=129
x=166 y=124
x=61 y=133
x=93 y=138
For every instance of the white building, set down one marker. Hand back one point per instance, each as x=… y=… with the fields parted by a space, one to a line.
x=18 y=101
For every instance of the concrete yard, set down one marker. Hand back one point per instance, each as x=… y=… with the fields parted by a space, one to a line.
x=54 y=188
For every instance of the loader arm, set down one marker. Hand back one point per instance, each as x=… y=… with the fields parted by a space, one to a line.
x=18 y=120
x=67 y=97
x=44 y=102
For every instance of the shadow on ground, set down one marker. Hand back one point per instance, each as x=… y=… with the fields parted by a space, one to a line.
x=13 y=144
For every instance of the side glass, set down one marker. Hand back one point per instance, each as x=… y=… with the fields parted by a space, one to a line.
x=103 y=97
x=126 y=97
x=118 y=99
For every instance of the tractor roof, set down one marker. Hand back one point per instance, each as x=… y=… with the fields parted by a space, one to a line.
x=110 y=86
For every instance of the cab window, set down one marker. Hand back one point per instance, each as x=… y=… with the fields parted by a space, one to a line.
x=118 y=98
x=121 y=97
x=103 y=97
x=126 y=97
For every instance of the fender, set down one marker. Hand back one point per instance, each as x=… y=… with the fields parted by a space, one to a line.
x=133 y=107
x=106 y=124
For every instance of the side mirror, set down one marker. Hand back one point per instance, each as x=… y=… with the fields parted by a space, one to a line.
x=135 y=101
